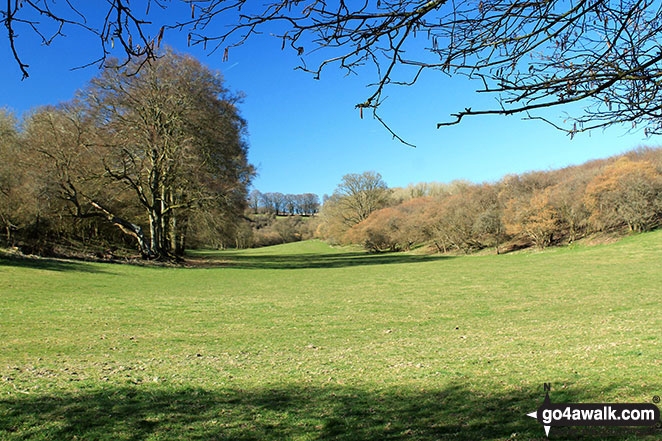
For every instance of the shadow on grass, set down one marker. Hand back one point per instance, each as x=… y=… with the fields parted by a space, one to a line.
x=331 y=260
x=47 y=264
x=319 y=413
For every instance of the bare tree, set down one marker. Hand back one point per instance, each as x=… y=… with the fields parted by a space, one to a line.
x=277 y=202
x=358 y=195
x=626 y=192
x=530 y=54
x=266 y=201
x=309 y=203
x=172 y=134
x=488 y=223
x=254 y=199
x=290 y=204
x=10 y=176
x=58 y=143
x=147 y=152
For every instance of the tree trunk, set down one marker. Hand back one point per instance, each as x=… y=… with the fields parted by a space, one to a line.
x=164 y=221
x=156 y=234
x=172 y=232
x=181 y=238
x=127 y=227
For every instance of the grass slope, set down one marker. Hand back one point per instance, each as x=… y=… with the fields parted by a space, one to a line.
x=304 y=341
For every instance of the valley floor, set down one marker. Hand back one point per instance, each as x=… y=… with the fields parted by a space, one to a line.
x=305 y=341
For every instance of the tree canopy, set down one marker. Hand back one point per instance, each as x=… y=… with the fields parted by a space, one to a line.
x=531 y=55
x=159 y=154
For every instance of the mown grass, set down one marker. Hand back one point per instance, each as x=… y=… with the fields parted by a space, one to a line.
x=304 y=341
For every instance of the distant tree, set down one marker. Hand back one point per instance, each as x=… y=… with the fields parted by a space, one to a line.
x=299 y=203
x=290 y=204
x=423 y=189
x=402 y=194
x=628 y=193
x=309 y=203
x=567 y=199
x=391 y=228
x=360 y=194
x=266 y=200
x=451 y=223
x=651 y=154
x=436 y=227
x=488 y=224
x=534 y=217
x=277 y=202
x=332 y=225
x=254 y=200
x=289 y=229
x=378 y=232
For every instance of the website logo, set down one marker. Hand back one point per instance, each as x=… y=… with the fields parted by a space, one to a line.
x=595 y=414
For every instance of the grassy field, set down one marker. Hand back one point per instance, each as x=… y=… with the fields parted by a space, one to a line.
x=304 y=341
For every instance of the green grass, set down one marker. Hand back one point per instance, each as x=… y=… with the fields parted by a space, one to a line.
x=309 y=342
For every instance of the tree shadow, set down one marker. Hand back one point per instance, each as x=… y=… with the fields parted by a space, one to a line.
x=289 y=412
x=47 y=264
x=313 y=260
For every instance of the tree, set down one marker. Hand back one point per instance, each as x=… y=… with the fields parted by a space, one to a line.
x=422 y=189
x=534 y=217
x=290 y=203
x=266 y=200
x=332 y=225
x=450 y=223
x=627 y=192
x=377 y=232
x=488 y=224
x=358 y=195
x=254 y=200
x=13 y=194
x=154 y=154
x=567 y=199
x=277 y=202
x=531 y=55
x=288 y=229
x=391 y=228
x=58 y=142
x=310 y=203
x=172 y=134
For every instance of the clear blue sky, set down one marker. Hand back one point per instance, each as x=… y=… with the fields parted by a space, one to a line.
x=305 y=134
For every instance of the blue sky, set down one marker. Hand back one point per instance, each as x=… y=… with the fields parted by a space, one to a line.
x=305 y=134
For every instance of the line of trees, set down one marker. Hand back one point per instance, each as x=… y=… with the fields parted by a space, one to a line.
x=306 y=204
x=152 y=157
x=539 y=209
x=275 y=218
